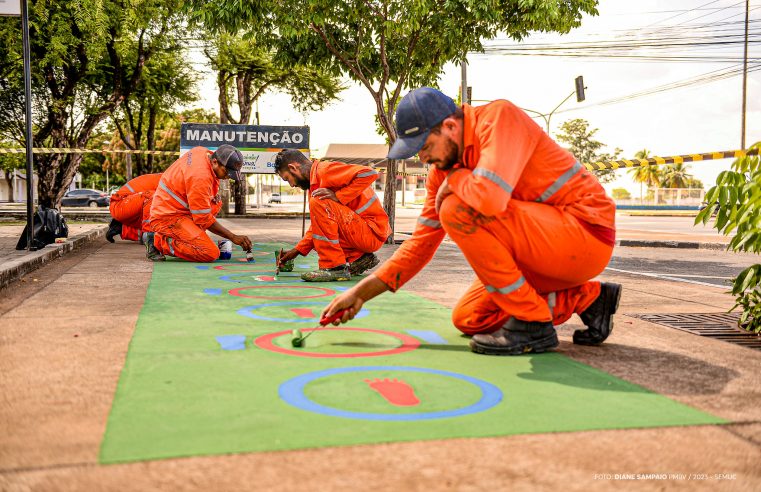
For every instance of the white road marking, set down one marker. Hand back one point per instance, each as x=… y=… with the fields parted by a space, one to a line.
x=664 y=277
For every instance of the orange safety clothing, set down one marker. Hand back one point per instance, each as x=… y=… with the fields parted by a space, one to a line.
x=533 y=223
x=130 y=233
x=131 y=204
x=184 y=207
x=342 y=232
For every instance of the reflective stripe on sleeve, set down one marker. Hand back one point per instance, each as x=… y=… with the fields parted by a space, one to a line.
x=366 y=174
x=563 y=179
x=506 y=289
x=129 y=187
x=429 y=222
x=323 y=238
x=201 y=211
x=369 y=202
x=494 y=178
x=172 y=194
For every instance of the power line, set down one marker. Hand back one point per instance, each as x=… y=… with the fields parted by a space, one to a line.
x=683 y=13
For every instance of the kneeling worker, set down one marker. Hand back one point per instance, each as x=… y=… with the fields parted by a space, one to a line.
x=348 y=223
x=130 y=207
x=533 y=223
x=186 y=202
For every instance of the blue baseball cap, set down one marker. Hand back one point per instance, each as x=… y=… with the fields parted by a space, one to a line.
x=418 y=112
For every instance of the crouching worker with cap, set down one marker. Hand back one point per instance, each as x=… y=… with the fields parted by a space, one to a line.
x=533 y=223
x=348 y=223
x=186 y=202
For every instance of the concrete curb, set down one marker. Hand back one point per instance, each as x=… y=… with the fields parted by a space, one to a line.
x=637 y=243
x=15 y=269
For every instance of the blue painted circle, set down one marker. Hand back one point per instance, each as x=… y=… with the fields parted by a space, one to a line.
x=292 y=392
x=247 y=311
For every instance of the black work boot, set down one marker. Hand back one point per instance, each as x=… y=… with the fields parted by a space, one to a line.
x=114 y=229
x=599 y=316
x=516 y=337
x=151 y=252
x=363 y=263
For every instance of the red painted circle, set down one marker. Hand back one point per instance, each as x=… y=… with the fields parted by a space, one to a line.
x=408 y=343
x=237 y=292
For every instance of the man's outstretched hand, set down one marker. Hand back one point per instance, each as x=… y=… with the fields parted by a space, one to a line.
x=242 y=241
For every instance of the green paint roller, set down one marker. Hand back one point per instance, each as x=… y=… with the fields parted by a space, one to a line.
x=297 y=338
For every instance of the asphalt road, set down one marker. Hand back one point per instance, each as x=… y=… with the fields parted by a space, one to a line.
x=705 y=267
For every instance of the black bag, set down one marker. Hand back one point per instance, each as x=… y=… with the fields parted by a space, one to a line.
x=48 y=224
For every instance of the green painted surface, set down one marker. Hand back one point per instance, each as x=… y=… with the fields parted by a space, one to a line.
x=180 y=394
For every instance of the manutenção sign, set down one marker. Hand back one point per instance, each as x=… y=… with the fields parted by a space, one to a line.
x=258 y=144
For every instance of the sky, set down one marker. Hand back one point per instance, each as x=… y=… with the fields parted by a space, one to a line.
x=694 y=119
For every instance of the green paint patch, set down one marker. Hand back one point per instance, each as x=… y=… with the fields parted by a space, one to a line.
x=181 y=394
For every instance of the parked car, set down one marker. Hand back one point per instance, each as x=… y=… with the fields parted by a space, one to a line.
x=85 y=198
x=275 y=198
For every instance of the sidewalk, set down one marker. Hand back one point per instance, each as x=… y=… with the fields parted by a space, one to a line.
x=61 y=361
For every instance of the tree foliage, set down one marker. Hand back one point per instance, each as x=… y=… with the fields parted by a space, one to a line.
x=388 y=46
x=737 y=195
x=581 y=143
x=87 y=57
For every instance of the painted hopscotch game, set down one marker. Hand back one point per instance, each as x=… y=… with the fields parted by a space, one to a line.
x=211 y=370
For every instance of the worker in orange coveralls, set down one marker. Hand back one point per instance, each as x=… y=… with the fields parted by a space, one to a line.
x=533 y=223
x=130 y=207
x=348 y=223
x=186 y=202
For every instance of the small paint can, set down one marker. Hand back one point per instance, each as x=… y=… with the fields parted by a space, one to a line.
x=225 y=249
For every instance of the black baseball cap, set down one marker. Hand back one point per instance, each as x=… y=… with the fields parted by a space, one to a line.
x=418 y=112
x=232 y=159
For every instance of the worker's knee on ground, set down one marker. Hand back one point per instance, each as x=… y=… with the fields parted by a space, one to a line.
x=466 y=322
x=208 y=255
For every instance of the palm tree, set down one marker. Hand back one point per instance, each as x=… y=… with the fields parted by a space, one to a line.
x=676 y=176
x=649 y=175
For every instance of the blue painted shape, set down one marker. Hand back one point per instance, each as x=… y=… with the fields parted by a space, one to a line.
x=213 y=292
x=247 y=311
x=342 y=289
x=304 y=266
x=232 y=342
x=203 y=267
x=227 y=278
x=292 y=392
x=428 y=336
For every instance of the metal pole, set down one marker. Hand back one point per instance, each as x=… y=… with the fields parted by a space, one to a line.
x=745 y=77
x=28 y=97
x=464 y=82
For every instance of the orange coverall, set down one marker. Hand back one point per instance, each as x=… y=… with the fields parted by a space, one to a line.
x=342 y=232
x=131 y=205
x=533 y=223
x=184 y=207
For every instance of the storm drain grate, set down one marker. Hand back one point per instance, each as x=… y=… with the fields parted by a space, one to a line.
x=721 y=326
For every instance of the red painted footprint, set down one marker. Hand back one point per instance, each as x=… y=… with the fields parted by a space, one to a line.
x=394 y=391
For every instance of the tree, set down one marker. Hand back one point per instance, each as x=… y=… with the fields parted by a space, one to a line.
x=246 y=70
x=391 y=45
x=620 y=194
x=87 y=57
x=737 y=195
x=645 y=175
x=585 y=148
x=167 y=82
x=676 y=176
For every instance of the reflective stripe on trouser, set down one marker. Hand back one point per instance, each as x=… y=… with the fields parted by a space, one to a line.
x=129 y=233
x=132 y=210
x=523 y=255
x=339 y=234
x=179 y=236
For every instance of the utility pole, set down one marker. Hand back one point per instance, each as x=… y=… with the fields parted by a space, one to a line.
x=745 y=76
x=464 y=81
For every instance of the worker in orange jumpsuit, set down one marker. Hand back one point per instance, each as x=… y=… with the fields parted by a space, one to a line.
x=130 y=207
x=533 y=223
x=186 y=202
x=348 y=223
